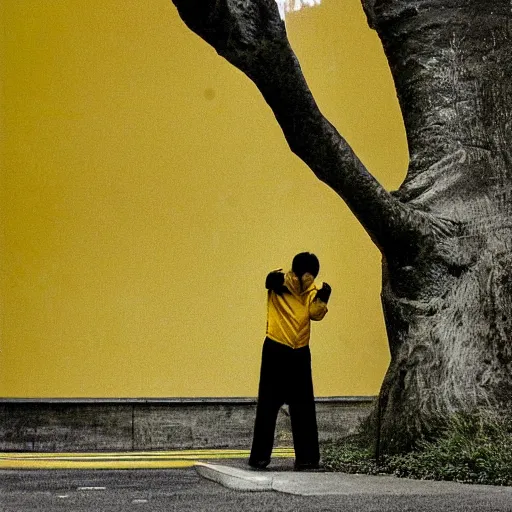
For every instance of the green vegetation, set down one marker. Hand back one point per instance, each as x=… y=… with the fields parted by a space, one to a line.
x=471 y=449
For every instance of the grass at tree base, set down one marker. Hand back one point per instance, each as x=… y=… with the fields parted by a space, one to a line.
x=472 y=449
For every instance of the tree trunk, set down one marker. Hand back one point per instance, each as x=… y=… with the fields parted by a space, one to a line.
x=445 y=235
x=447 y=300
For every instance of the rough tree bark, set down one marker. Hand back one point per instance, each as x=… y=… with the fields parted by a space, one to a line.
x=445 y=235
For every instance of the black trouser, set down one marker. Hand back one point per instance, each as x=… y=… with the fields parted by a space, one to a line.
x=286 y=378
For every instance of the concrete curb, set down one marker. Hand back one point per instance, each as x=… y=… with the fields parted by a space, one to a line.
x=234 y=478
x=339 y=484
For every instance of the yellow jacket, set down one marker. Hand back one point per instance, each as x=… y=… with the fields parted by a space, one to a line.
x=289 y=314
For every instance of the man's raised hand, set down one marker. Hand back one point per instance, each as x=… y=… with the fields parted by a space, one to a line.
x=324 y=293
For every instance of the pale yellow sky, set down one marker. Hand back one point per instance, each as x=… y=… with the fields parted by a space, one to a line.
x=147 y=190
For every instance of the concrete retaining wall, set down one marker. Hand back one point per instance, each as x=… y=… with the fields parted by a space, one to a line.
x=52 y=425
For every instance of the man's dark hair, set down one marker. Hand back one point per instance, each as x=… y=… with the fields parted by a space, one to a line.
x=305 y=262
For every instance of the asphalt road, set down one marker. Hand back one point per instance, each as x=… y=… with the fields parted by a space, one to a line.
x=183 y=490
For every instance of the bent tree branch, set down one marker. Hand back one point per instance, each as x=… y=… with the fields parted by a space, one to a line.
x=251 y=35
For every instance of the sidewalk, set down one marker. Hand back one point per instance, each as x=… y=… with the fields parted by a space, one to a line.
x=236 y=475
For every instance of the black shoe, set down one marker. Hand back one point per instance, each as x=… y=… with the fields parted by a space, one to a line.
x=259 y=465
x=307 y=466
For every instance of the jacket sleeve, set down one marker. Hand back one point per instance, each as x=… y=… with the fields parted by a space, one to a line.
x=317 y=309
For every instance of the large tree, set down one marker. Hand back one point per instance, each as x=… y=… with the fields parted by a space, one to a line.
x=445 y=235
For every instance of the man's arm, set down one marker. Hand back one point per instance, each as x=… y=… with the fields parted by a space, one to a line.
x=318 y=307
x=275 y=282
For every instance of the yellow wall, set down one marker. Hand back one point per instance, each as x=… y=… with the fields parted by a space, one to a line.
x=146 y=190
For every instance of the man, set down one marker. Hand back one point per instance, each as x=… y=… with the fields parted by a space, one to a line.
x=293 y=301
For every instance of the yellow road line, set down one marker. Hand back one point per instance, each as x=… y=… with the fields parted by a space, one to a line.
x=114 y=464
x=194 y=455
x=123 y=460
